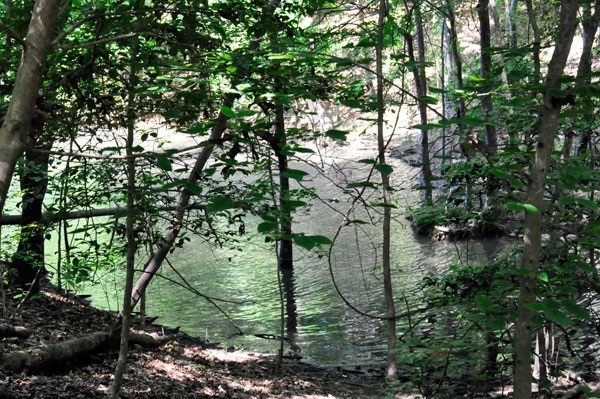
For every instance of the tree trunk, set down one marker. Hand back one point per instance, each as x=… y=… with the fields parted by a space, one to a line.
x=511 y=20
x=486 y=65
x=499 y=43
x=28 y=259
x=421 y=88
x=16 y=127
x=184 y=199
x=115 y=388
x=535 y=195
x=387 y=275
x=590 y=26
x=537 y=42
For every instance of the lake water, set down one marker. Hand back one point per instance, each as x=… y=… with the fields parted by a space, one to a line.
x=329 y=333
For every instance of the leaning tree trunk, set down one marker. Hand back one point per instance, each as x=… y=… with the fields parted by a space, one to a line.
x=387 y=275
x=184 y=199
x=16 y=127
x=535 y=195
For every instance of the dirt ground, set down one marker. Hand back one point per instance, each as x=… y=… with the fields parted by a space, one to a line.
x=183 y=367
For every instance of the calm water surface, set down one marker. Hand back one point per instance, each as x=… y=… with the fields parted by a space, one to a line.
x=329 y=333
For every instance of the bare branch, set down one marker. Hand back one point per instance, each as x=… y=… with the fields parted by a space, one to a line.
x=145 y=154
x=12 y=34
x=121 y=37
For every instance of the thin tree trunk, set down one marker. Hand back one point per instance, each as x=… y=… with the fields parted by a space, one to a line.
x=511 y=12
x=503 y=76
x=16 y=127
x=387 y=275
x=537 y=41
x=486 y=66
x=115 y=388
x=535 y=196
x=421 y=87
x=28 y=259
x=590 y=27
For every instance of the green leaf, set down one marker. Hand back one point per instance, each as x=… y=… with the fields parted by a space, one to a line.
x=591 y=205
x=514 y=206
x=563 y=201
x=352 y=103
x=556 y=316
x=385 y=169
x=468 y=121
x=429 y=100
x=322 y=240
x=336 y=134
x=287 y=56
x=220 y=203
x=164 y=163
x=497 y=323
x=537 y=307
x=368 y=161
x=572 y=307
x=384 y=205
x=543 y=276
x=309 y=242
x=427 y=126
x=303 y=150
x=247 y=112
x=294 y=174
x=192 y=187
x=483 y=302
x=304 y=242
x=355 y=221
x=500 y=173
x=530 y=208
x=267 y=227
x=228 y=112
x=516 y=184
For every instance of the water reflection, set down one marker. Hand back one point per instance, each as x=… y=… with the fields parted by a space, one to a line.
x=318 y=322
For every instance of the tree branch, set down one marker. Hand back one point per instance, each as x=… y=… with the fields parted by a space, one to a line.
x=12 y=34
x=121 y=37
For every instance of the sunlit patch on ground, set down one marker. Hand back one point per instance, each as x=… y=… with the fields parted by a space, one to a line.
x=223 y=356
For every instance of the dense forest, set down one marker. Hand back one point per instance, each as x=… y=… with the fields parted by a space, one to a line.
x=135 y=130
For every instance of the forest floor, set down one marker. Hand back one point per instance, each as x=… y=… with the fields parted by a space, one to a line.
x=183 y=367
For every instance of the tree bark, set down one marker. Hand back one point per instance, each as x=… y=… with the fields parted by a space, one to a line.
x=486 y=66
x=115 y=388
x=535 y=195
x=537 y=41
x=16 y=127
x=590 y=27
x=391 y=369
x=44 y=357
x=421 y=88
x=28 y=259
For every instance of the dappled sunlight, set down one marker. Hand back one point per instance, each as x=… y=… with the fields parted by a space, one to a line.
x=223 y=356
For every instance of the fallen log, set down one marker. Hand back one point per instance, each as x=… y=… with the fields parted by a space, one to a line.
x=11 y=331
x=147 y=341
x=47 y=356
x=44 y=357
